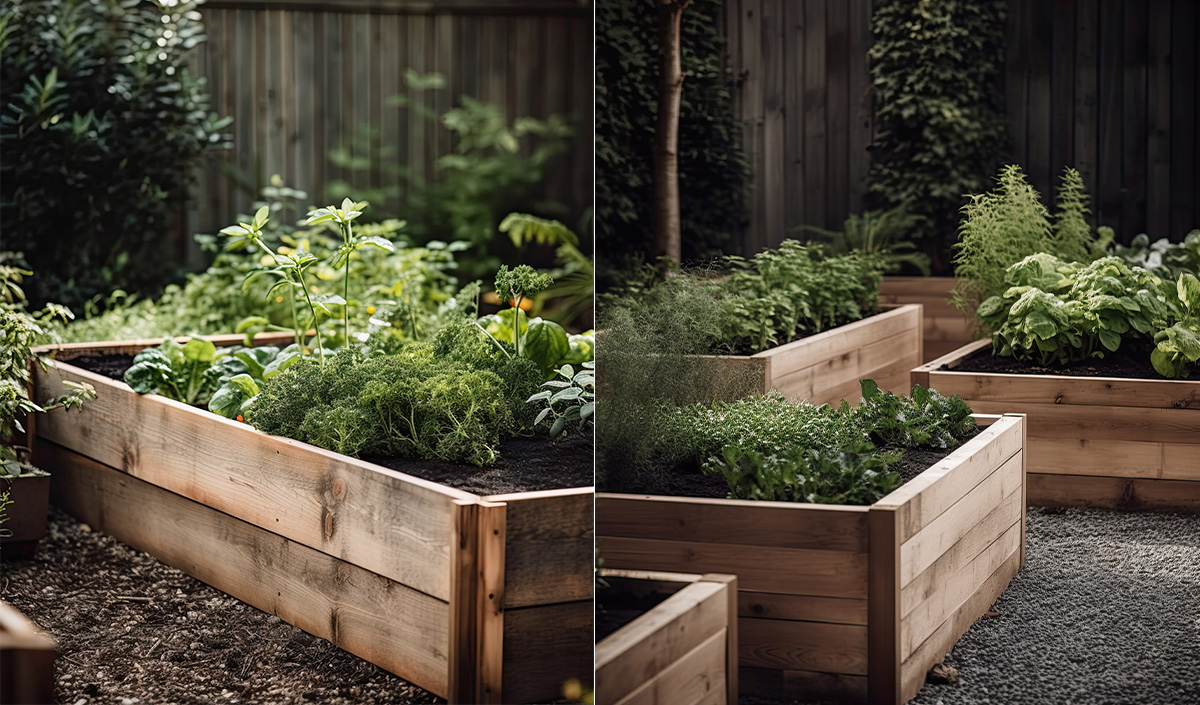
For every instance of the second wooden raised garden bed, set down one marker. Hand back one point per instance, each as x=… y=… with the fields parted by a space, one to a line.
x=826 y=368
x=1093 y=441
x=477 y=599
x=683 y=651
x=945 y=327
x=846 y=602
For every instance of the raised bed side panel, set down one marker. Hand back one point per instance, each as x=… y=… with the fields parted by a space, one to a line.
x=546 y=591
x=1098 y=442
x=353 y=608
x=26 y=659
x=826 y=368
x=945 y=327
x=385 y=521
x=676 y=654
x=947 y=544
x=802 y=578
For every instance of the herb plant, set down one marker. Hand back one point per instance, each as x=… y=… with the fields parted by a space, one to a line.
x=853 y=475
x=925 y=418
x=1177 y=348
x=574 y=395
x=884 y=234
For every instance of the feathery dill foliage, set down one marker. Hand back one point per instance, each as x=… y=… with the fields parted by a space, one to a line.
x=451 y=400
x=1002 y=227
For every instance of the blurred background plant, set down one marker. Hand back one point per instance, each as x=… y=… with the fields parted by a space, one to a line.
x=101 y=126
x=882 y=234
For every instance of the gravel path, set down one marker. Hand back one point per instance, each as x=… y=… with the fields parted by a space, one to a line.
x=132 y=630
x=1106 y=611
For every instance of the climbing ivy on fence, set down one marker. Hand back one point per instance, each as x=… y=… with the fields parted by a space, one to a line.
x=712 y=170
x=936 y=69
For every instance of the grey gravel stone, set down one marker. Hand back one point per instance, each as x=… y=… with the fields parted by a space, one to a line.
x=1106 y=611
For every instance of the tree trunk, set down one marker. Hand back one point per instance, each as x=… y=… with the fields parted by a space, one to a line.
x=666 y=137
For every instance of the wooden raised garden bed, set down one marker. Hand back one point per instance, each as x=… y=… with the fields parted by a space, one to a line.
x=826 y=368
x=26 y=660
x=1093 y=441
x=683 y=651
x=846 y=602
x=478 y=599
x=946 y=328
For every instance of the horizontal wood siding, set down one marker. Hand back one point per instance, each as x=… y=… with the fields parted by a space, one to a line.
x=354 y=608
x=1110 y=439
x=1106 y=86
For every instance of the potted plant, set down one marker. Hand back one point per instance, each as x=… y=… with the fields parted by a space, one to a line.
x=401 y=495
x=792 y=319
x=1100 y=354
x=24 y=487
x=865 y=540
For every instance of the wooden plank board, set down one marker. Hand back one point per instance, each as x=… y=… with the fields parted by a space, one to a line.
x=382 y=621
x=934 y=648
x=1132 y=423
x=836 y=341
x=550 y=547
x=767 y=569
x=330 y=502
x=543 y=647
x=956 y=589
x=1113 y=493
x=802 y=608
x=1070 y=391
x=26 y=659
x=802 y=646
x=697 y=678
x=883 y=605
x=1115 y=458
x=922 y=550
x=646 y=647
x=802 y=685
x=732 y=521
x=928 y=496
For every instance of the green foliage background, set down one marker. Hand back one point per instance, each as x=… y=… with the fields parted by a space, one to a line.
x=936 y=70
x=101 y=124
x=712 y=170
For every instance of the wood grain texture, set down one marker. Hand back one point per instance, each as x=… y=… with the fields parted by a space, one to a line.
x=380 y=620
x=883 y=608
x=802 y=608
x=696 y=678
x=803 y=685
x=549 y=547
x=802 y=646
x=329 y=502
x=26 y=659
x=543 y=647
x=1130 y=494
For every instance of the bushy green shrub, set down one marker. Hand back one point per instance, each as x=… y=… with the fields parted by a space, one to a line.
x=101 y=126
x=936 y=70
x=712 y=168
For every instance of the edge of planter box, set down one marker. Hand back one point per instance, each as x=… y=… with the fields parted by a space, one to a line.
x=468 y=573
x=945 y=327
x=1106 y=442
x=681 y=652
x=826 y=367
x=26 y=658
x=878 y=594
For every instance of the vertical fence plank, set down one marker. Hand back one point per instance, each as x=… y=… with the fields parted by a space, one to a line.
x=1133 y=120
x=773 y=184
x=1062 y=86
x=859 y=79
x=1158 y=101
x=1183 y=119
x=837 y=117
x=815 y=106
x=1108 y=184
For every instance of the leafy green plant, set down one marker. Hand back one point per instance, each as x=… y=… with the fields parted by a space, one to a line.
x=1056 y=312
x=20 y=331
x=1165 y=258
x=188 y=373
x=574 y=285
x=925 y=418
x=6 y=501
x=854 y=475
x=244 y=373
x=938 y=123
x=344 y=217
x=1177 y=348
x=102 y=125
x=289 y=269
x=884 y=234
x=574 y=394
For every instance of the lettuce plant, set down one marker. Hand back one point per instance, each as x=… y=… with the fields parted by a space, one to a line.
x=186 y=373
x=243 y=374
x=1177 y=348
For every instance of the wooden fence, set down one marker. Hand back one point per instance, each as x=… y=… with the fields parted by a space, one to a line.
x=300 y=76
x=1108 y=86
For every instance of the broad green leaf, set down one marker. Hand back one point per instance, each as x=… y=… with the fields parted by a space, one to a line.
x=198 y=350
x=381 y=243
x=545 y=343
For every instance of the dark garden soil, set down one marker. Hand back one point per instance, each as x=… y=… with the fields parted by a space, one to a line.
x=616 y=609
x=524 y=465
x=1131 y=361
x=693 y=483
x=133 y=630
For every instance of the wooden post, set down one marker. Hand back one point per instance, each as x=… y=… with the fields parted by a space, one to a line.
x=464 y=649
x=1024 y=480
x=489 y=602
x=731 y=635
x=883 y=606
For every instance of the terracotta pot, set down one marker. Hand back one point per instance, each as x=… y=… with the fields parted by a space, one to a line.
x=26 y=521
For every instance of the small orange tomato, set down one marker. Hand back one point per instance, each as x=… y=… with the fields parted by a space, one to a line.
x=239 y=418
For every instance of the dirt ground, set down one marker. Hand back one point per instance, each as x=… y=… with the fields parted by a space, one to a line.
x=132 y=630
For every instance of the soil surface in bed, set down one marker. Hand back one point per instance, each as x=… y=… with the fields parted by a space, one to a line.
x=693 y=483
x=525 y=464
x=133 y=630
x=1130 y=361
x=616 y=609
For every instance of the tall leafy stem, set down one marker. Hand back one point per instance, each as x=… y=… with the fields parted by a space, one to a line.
x=343 y=217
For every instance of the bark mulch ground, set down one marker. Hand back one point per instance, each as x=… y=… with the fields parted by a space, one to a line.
x=133 y=630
